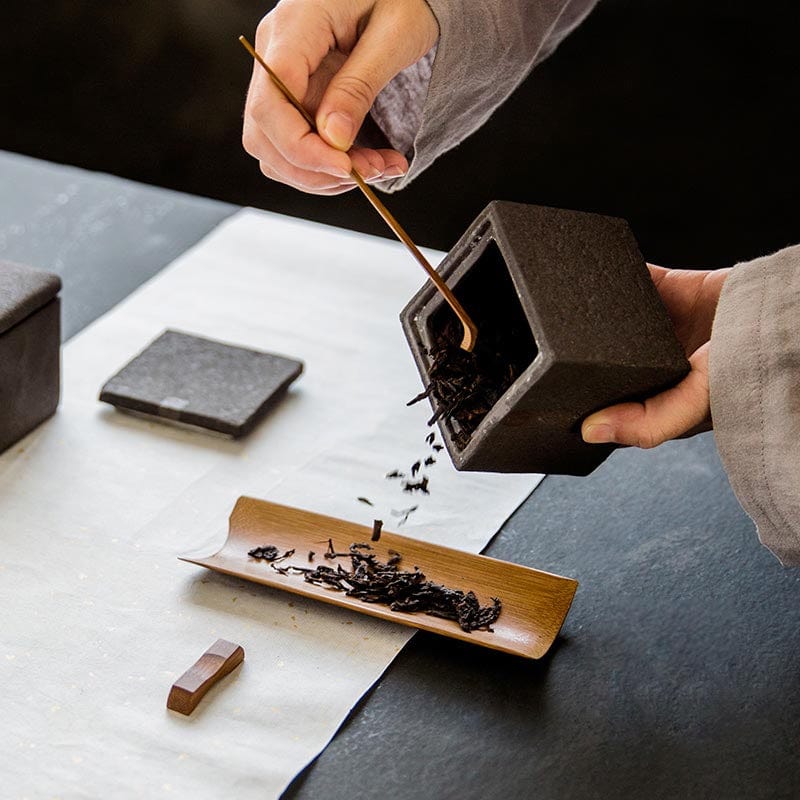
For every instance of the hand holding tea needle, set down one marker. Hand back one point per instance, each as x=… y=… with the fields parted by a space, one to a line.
x=336 y=56
x=469 y=327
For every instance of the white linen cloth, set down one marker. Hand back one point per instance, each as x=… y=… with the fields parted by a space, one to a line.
x=98 y=615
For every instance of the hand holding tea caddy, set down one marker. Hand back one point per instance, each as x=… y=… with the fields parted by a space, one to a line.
x=691 y=298
x=742 y=366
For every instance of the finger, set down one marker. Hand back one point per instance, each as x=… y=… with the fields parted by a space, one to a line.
x=657 y=273
x=311 y=182
x=369 y=163
x=395 y=164
x=274 y=166
x=377 y=57
x=377 y=165
x=668 y=415
x=293 y=43
x=270 y=173
x=690 y=297
x=280 y=123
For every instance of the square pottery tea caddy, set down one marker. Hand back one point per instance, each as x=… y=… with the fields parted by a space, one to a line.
x=566 y=301
x=30 y=342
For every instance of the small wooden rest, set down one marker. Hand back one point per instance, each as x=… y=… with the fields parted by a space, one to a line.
x=220 y=659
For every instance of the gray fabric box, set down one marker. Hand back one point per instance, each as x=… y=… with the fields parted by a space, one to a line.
x=30 y=340
x=585 y=315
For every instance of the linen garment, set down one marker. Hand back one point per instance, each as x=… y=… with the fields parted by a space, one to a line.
x=485 y=50
x=754 y=371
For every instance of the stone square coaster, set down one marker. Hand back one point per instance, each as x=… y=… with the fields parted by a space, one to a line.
x=201 y=382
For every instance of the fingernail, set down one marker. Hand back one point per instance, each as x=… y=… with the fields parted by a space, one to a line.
x=373 y=173
x=340 y=173
x=599 y=433
x=394 y=172
x=338 y=128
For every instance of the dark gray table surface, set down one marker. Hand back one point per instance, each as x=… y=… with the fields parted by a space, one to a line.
x=677 y=674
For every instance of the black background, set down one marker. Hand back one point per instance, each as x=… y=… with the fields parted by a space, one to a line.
x=679 y=115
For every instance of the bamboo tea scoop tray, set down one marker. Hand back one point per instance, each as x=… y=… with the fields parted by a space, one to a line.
x=534 y=603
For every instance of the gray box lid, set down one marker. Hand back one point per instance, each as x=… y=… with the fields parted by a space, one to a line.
x=23 y=291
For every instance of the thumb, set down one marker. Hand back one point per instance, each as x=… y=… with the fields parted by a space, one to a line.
x=372 y=63
x=668 y=415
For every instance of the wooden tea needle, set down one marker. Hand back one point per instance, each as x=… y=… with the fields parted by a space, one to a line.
x=470 y=329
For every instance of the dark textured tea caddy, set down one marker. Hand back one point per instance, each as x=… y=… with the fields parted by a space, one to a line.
x=569 y=322
x=30 y=342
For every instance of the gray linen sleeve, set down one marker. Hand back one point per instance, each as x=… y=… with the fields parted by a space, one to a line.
x=485 y=50
x=754 y=377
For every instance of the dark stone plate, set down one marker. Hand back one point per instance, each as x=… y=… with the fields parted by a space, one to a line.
x=201 y=382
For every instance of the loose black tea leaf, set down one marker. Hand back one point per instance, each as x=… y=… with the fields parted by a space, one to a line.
x=376 y=529
x=365 y=500
x=463 y=387
x=419 y=486
x=438 y=448
x=430 y=437
x=310 y=555
x=330 y=553
x=268 y=552
x=274 y=561
x=373 y=581
x=415 y=468
x=404 y=514
x=429 y=461
x=395 y=474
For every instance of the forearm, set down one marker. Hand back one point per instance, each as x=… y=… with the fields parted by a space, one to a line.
x=755 y=395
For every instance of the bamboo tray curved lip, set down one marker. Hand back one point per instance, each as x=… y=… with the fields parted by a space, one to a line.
x=535 y=603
